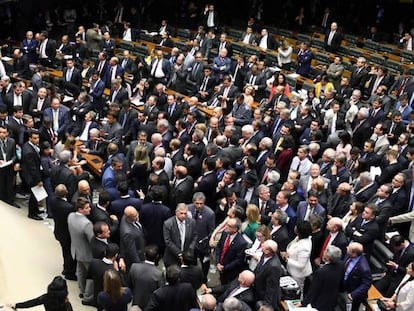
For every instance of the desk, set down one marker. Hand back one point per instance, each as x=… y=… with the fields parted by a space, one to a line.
x=94 y=162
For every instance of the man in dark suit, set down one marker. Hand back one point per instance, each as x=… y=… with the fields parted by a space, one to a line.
x=258 y=80
x=101 y=65
x=60 y=208
x=205 y=224
x=132 y=239
x=127 y=63
x=29 y=46
x=238 y=72
x=20 y=65
x=47 y=50
x=311 y=206
x=59 y=115
x=182 y=186
x=230 y=252
x=160 y=69
x=97 y=269
x=108 y=45
x=99 y=212
x=61 y=174
x=333 y=39
x=384 y=207
x=338 y=204
x=241 y=287
x=364 y=229
x=265 y=204
x=180 y=234
x=278 y=229
x=367 y=188
x=7 y=153
x=31 y=173
x=118 y=206
x=113 y=70
x=127 y=115
x=267 y=41
x=403 y=256
x=72 y=79
x=20 y=96
x=357 y=280
x=152 y=216
x=327 y=282
x=190 y=272
x=145 y=277
x=207 y=183
x=97 y=87
x=175 y=296
x=99 y=243
x=268 y=272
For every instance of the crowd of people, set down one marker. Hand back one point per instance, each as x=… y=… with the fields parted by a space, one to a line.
x=275 y=181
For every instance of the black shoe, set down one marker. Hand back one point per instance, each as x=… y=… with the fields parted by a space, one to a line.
x=88 y=303
x=39 y=212
x=80 y=295
x=71 y=277
x=35 y=217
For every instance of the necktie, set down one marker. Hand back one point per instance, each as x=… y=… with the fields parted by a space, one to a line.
x=262 y=207
x=154 y=69
x=265 y=175
x=55 y=120
x=197 y=215
x=69 y=75
x=204 y=84
x=410 y=208
x=325 y=245
x=225 y=248
x=3 y=149
x=231 y=294
x=181 y=227
x=298 y=167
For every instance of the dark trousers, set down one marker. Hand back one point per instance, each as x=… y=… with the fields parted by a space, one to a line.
x=33 y=208
x=69 y=264
x=7 y=184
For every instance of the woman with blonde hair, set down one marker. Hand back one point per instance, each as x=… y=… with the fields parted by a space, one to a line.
x=255 y=252
x=140 y=169
x=114 y=297
x=248 y=92
x=252 y=221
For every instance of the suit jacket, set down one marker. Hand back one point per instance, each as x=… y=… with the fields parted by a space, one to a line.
x=338 y=205
x=61 y=174
x=233 y=260
x=118 y=206
x=108 y=47
x=335 y=43
x=60 y=209
x=104 y=69
x=193 y=275
x=144 y=279
x=366 y=235
x=63 y=117
x=358 y=79
x=33 y=107
x=281 y=237
x=205 y=225
x=173 y=242
x=207 y=185
x=152 y=216
x=113 y=133
x=132 y=243
x=21 y=67
x=30 y=164
x=365 y=193
x=129 y=66
x=362 y=134
x=75 y=83
x=223 y=291
x=341 y=242
x=176 y=297
x=96 y=272
x=359 y=279
x=181 y=193
x=260 y=81
x=81 y=235
x=266 y=284
x=98 y=248
x=26 y=100
x=325 y=287
x=119 y=71
x=98 y=214
x=302 y=207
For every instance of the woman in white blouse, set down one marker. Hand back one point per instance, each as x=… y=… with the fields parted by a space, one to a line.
x=255 y=252
x=298 y=253
x=284 y=55
x=403 y=299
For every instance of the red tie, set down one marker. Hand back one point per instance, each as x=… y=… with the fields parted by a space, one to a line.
x=325 y=245
x=225 y=248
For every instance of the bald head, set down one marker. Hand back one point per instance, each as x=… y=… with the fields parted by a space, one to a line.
x=208 y=302
x=334 y=224
x=270 y=246
x=131 y=213
x=61 y=191
x=246 y=278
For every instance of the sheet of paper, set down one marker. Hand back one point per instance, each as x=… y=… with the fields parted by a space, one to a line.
x=39 y=193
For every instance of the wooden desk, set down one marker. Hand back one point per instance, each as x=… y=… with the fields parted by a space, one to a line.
x=94 y=162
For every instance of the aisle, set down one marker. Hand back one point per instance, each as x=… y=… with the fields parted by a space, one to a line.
x=29 y=258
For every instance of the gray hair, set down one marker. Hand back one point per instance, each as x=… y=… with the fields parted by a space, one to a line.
x=281 y=216
x=364 y=112
x=267 y=142
x=365 y=177
x=334 y=253
x=273 y=177
x=232 y=304
x=64 y=156
x=199 y=196
x=330 y=153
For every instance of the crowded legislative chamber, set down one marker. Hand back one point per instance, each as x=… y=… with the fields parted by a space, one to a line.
x=195 y=155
